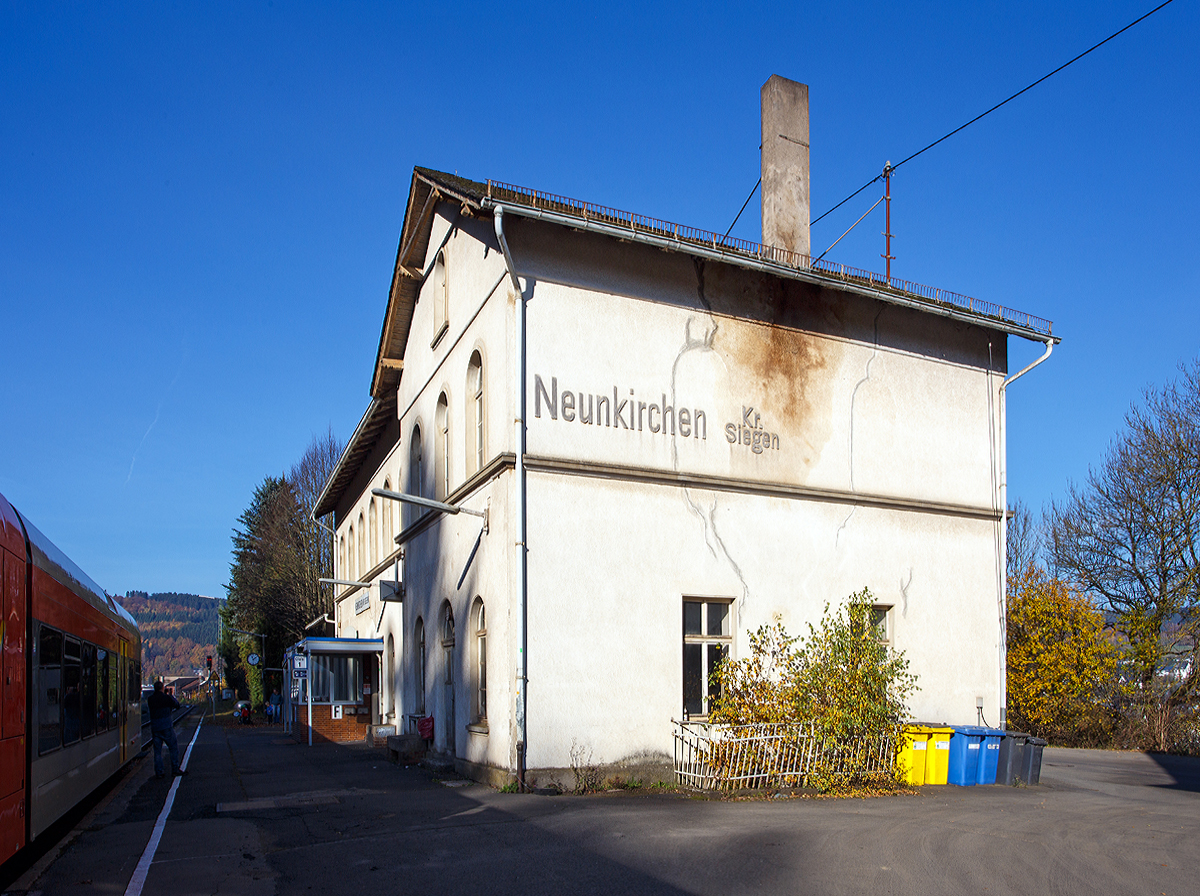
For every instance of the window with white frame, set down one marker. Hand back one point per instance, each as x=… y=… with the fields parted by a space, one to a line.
x=373 y=528
x=707 y=637
x=335 y=678
x=475 y=431
x=416 y=473
x=389 y=529
x=441 y=298
x=881 y=623
x=419 y=658
x=442 y=455
x=362 y=548
x=390 y=679
x=480 y=662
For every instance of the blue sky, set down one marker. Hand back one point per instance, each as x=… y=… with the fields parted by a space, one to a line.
x=200 y=205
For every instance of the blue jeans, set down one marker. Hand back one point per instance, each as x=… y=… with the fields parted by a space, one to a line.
x=165 y=736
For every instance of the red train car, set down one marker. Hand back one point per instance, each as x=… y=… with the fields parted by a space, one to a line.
x=70 y=713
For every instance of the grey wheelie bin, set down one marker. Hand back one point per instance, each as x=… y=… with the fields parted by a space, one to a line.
x=1012 y=754
x=1031 y=762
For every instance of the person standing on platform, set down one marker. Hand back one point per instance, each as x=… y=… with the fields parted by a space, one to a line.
x=162 y=728
x=276 y=707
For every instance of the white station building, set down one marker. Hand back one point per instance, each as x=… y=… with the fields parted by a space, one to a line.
x=657 y=439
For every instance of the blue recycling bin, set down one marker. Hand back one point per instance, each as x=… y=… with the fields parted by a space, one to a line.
x=965 y=746
x=989 y=754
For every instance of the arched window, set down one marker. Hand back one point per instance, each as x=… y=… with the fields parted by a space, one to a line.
x=342 y=572
x=442 y=482
x=475 y=414
x=362 y=547
x=479 y=662
x=373 y=528
x=441 y=298
x=419 y=642
x=389 y=530
x=390 y=694
x=449 y=711
x=351 y=572
x=416 y=475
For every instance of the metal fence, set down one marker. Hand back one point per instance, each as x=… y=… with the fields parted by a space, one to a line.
x=683 y=234
x=729 y=757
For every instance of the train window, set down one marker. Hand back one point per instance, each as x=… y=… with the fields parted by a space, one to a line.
x=87 y=690
x=134 y=696
x=114 y=690
x=102 y=695
x=49 y=697
x=70 y=690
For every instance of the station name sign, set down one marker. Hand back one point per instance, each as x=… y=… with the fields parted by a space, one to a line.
x=629 y=412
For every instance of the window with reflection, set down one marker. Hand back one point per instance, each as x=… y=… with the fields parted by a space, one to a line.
x=443 y=448
x=707 y=636
x=475 y=432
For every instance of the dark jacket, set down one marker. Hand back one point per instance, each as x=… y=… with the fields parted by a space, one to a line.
x=160 y=705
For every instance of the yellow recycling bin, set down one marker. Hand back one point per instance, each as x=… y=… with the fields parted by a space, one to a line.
x=937 y=754
x=914 y=746
x=924 y=756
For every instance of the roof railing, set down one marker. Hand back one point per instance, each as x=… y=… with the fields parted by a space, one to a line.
x=717 y=242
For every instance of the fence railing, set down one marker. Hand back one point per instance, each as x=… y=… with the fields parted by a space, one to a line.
x=729 y=757
x=682 y=233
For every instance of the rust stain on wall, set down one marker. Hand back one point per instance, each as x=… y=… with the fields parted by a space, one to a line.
x=787 y=374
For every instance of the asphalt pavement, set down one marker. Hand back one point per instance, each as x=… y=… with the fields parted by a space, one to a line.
x=260 y=814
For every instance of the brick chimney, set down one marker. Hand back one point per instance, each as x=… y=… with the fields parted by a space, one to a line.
x=785 y=209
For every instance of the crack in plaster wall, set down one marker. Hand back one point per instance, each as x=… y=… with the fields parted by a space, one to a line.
x=853 y=397
x=707 y=516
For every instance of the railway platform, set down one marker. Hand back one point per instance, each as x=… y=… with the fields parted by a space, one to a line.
x=260 y=814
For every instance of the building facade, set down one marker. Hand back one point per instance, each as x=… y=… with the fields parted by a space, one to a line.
x=657 y=441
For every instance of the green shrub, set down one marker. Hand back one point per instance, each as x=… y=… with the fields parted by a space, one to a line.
x=840 y=682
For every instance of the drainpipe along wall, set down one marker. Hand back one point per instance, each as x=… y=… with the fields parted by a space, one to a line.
x=1002 y=560
x=521 y=551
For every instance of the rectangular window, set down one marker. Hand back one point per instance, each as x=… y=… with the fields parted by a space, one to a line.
x=707 y=637
x=71 y=699
x=87 y=690
x=103 y=695
x=133 y=689
x=335 y=679
x=50 y=646
x=881 y=623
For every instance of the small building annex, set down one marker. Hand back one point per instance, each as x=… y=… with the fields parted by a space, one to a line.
x=657 y=439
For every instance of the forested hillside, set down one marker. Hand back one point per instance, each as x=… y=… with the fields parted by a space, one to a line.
x=178 y=630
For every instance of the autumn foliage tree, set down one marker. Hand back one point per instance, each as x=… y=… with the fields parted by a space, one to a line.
x=1062 y=664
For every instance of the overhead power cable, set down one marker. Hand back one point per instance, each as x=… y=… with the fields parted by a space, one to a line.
x=744 y=204
x=879 y=177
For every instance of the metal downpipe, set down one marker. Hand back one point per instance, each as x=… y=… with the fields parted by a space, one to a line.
x=1002 y=560
x=520 y=544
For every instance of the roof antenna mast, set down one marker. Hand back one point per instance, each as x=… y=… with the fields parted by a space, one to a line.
x=887 y=227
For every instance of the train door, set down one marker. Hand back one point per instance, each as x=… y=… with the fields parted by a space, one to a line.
x=123 y=699
x=13 y=711
x=12 y=635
